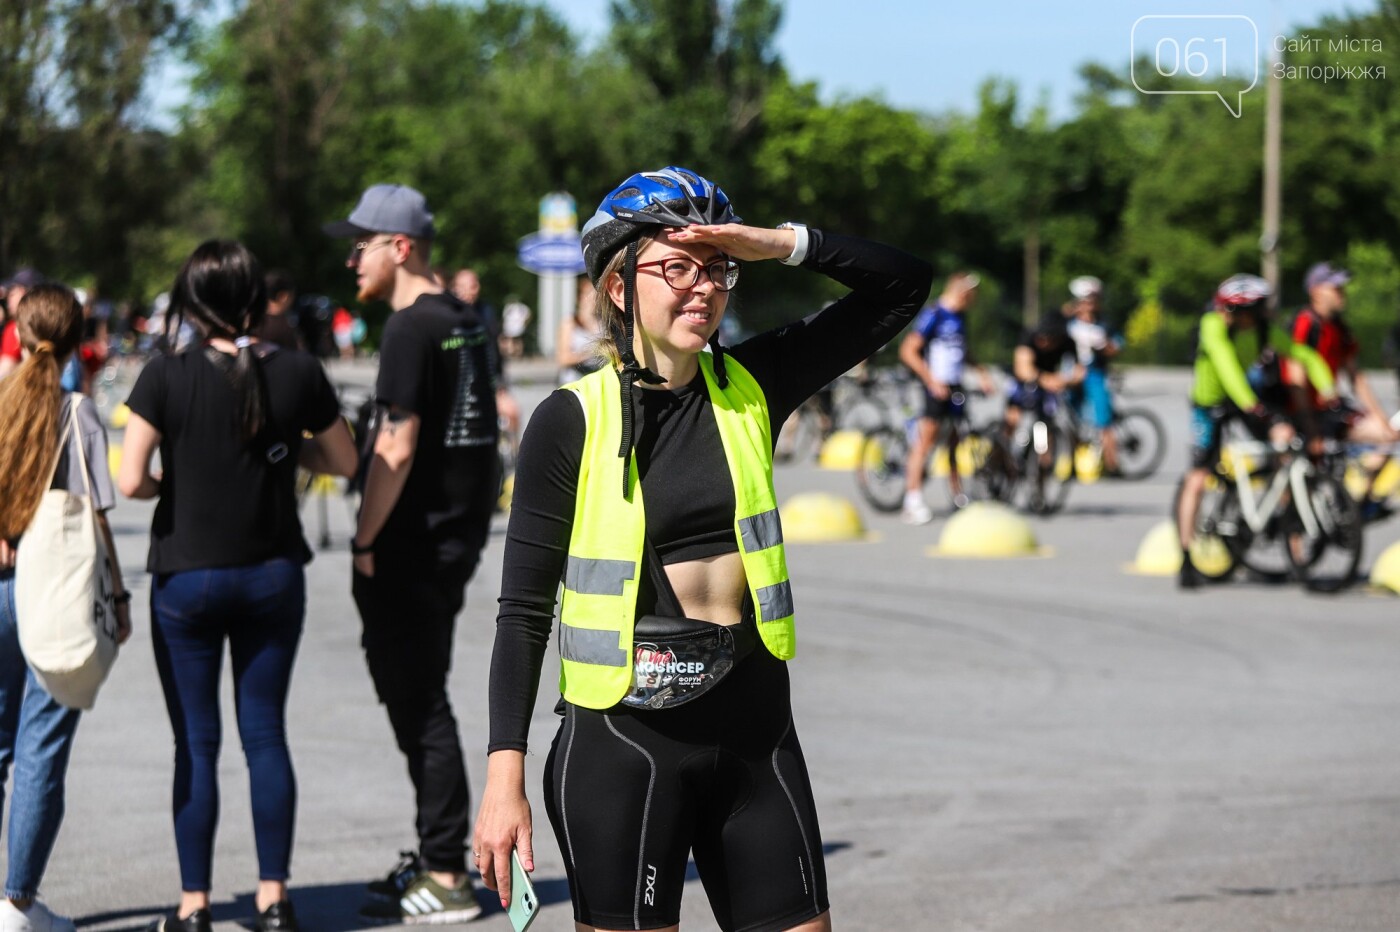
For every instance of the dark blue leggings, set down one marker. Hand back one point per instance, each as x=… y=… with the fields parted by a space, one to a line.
x=259 y=609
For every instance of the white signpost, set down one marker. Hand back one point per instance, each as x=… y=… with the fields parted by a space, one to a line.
x=556 y=256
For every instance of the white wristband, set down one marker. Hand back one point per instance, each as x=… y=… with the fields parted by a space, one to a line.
x=799 y=249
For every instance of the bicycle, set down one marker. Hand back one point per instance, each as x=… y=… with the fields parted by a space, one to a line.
x=801 y=436
x=1142 y=440
x=1033 y=467
x=861 y=403
x=881 y=472
x=1372 y=475
x=867 y=402
x=1281 y=515
x=111 y=383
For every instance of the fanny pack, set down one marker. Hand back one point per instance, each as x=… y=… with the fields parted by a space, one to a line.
x=678 y=660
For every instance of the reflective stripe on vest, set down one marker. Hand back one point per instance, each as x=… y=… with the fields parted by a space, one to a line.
x=604 y=566
x=598 y=577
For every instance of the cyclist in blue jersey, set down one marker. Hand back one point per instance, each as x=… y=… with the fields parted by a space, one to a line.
x=935 y=350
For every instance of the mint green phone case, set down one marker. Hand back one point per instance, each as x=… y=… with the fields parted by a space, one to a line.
x=523 y=902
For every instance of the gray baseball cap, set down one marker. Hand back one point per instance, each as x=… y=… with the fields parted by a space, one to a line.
x=386 y=208
x=1325 y=273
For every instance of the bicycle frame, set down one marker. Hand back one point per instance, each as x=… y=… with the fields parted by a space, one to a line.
x=1293 y=477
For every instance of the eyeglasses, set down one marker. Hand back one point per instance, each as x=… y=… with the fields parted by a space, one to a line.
x=358 y=250
x=682 y=272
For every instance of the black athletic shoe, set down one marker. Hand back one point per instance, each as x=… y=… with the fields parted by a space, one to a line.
x=1189 y=577
x=392 y=886
x=279 y=917
x=1375 y=510
x=197 y=921
x=427 y=902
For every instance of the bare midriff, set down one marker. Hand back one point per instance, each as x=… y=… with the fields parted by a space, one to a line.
x=710 y=589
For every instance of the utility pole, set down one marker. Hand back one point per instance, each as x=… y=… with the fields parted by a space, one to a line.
x=1273 y=177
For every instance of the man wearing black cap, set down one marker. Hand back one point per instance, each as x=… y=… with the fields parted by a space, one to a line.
x=429 y=490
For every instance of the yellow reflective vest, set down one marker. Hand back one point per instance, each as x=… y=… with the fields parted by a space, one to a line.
x=605 y=552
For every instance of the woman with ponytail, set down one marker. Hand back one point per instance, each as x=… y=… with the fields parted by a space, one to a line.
x=227 y=554
x=39 y=451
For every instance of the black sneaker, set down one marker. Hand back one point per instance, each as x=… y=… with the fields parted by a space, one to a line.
x=197 y=921
x=426 y=902
x=392 y=886
x=1375 y=510
x=279 y=917
x=1189 y=577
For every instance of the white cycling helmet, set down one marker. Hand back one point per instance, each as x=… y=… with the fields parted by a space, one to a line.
x=1243 y=292
x=1085 y=286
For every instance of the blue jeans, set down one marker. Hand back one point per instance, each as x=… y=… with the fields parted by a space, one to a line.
x=259 y=609
x=36 y=734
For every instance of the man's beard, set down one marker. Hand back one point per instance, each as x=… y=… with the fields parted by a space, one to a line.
x=376 y=289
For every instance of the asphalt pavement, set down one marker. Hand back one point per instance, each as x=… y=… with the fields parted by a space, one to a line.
x=1047 y=744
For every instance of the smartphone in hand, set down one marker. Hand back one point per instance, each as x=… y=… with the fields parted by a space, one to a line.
x=523 y=902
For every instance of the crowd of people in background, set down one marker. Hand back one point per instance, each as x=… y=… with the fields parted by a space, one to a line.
x=233 y=400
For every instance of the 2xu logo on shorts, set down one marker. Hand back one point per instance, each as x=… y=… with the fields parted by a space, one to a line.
x=650 y=896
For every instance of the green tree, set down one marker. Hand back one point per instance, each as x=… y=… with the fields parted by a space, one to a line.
x=1004 y=168
x=77 y=174
x=702 y=71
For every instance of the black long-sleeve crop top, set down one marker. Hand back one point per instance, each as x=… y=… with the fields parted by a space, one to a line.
x=680 y=461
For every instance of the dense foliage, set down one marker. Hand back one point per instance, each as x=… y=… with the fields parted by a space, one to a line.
x=296 y=105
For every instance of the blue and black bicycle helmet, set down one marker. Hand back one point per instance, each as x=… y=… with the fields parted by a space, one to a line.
x=671 y=197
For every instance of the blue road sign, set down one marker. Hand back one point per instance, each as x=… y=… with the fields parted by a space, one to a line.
x=559 y=253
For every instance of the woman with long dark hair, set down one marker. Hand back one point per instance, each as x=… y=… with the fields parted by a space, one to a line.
x=227 y=553
x=40 y=448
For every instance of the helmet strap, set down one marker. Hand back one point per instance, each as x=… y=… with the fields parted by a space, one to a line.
x=717 y=351
x=631 y=370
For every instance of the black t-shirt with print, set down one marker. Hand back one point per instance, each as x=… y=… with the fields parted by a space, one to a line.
x=222 y=502
x=437 y=360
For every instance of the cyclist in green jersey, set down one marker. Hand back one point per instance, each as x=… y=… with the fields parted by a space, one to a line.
x=1237 y=350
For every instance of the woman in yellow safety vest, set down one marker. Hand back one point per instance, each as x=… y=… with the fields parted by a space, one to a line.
x=647 y=489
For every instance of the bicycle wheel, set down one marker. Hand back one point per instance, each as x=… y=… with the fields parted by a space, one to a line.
x=970 y=458
x=865 y=415
x=992 y=476
x=800 y=439
x=1214 y=549
x=1142 y=442
x=1265 y=553
x=880 y=474
x=1048 y=465
x=1327 y=561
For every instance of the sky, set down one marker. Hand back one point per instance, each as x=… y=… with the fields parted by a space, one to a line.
x=931 y=55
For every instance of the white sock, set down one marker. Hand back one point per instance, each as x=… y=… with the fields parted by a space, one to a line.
x=913 y=500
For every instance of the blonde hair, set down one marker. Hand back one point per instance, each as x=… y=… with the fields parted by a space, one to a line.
x=50 y=322
x=610 y=323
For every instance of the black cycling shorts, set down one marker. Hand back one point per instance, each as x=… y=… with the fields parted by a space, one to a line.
x=950 y=408
x=632 y=793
